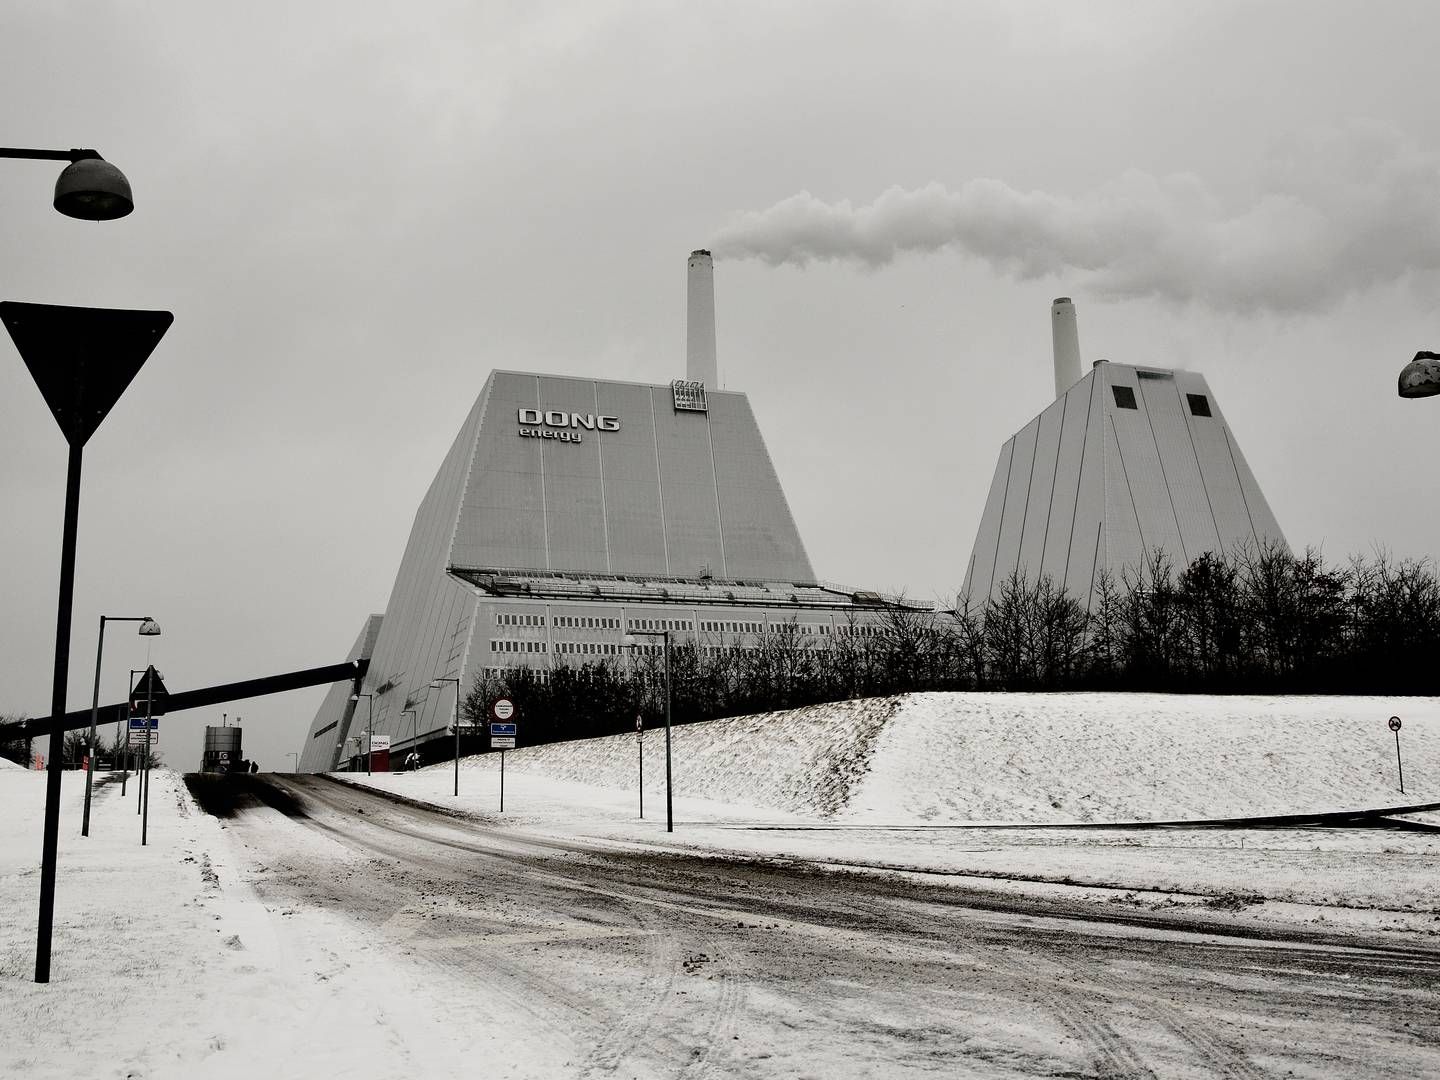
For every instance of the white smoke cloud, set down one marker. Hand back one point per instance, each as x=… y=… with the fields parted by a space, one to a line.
x=1333 y=214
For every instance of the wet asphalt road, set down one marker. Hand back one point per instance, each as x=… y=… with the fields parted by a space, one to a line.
x=656 y=964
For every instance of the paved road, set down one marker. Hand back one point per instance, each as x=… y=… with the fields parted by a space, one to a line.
x=648 y=965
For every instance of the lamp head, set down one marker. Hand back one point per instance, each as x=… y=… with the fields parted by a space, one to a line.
x=149 y=628
x=1421 y=377
x=92 y=189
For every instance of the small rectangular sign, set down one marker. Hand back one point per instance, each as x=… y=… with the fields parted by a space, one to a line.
x=379 y=742
x=137 y=738
x=502 y=742
x=502 y=729
x=137 y=723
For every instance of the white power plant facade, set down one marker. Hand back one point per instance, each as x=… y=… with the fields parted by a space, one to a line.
x=1126 y=462
x=569 y=512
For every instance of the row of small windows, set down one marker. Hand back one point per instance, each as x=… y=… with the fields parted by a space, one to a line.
x=587 y=648
x=732 y=627
x=660 y=624
x=857 y=631
x=587 y=622
x=1125 y=399
x=519 y=646
x=540 y=674
x=509 y=618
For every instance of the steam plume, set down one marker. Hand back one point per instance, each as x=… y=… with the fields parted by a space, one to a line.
x=1333 y=215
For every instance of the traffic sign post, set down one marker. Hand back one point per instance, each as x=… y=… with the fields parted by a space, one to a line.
x=503 y=732
x=640 y=743
x=1395 y=727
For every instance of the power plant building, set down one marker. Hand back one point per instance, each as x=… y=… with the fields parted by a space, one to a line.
x=1126 y=462
x=570 y=511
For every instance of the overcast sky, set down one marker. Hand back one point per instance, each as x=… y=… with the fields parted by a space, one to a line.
x=357 y=210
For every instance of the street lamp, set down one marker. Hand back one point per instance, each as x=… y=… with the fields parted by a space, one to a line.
x=1421 y=376
x=631 y=643
x=148 y=628
x=89 y=188
x=369 y=725
x=455 y=723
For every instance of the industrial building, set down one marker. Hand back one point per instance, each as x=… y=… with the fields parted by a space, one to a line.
x=570 y=511
x=1126 y=462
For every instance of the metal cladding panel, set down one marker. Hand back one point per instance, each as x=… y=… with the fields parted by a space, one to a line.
x=320 y=752
x=980 y=575
x=1017 y=495
x=1242 y=516
x=1036 y=527
x=1070 y=451
x=502 y=517
x=1088 y=551
x=1179 y=465
x=634 y=524
x=574 y=491
x=760 y=537
x=1142 y=472
x=687 y=484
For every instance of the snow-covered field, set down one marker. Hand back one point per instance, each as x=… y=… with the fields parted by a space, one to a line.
x=167 y=964
x=876 y=783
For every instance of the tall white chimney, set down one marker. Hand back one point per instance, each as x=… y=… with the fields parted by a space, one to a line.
x=1065 y=335
x=700 y=364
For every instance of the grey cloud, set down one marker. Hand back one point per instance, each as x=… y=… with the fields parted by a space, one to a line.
x=1334 y=214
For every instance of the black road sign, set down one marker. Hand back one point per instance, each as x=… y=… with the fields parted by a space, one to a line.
x=1394 y=723
x=149 y=694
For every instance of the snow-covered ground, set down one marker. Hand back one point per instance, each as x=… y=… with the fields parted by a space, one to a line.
x=877 y=782
x=167 y=964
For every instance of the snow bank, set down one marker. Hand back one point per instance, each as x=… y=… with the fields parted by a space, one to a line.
x=6 y=763
x=940 y=758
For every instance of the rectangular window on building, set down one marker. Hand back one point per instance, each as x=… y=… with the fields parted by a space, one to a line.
x=1124 y=397
x=1199 y=404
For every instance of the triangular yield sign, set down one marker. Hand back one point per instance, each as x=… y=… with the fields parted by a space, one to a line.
x=149 y=691
x=82 y=359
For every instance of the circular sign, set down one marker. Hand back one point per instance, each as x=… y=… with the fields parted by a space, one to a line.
x=503 y=708
x=1394 y=723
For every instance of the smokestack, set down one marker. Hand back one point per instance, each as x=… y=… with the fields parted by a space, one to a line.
x=700 y=364
x=1065 y=335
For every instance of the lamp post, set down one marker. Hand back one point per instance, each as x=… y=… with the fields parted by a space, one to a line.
x=631 y=643
x=148 y=628
x=369 y=725
x=455 y=723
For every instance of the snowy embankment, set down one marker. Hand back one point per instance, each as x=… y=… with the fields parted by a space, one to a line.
x=1042 y=758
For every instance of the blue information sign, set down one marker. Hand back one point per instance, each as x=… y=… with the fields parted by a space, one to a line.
x=502 y=729
x=137 y=723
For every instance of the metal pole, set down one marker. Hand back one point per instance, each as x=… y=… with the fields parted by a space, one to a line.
x=502 y=781
x=1400 y=768
x=669 y=809
x=369 y=733
x=50 y=843
x=94 y=712
x=640 y=742
x=455 y=719
x=145 y=780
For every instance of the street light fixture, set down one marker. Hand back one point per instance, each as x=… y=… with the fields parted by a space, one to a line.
x=455 y=723
x=1421 y=376
x=631 y=643
x=89 y=188
x=369 y=731
x=148 y=628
